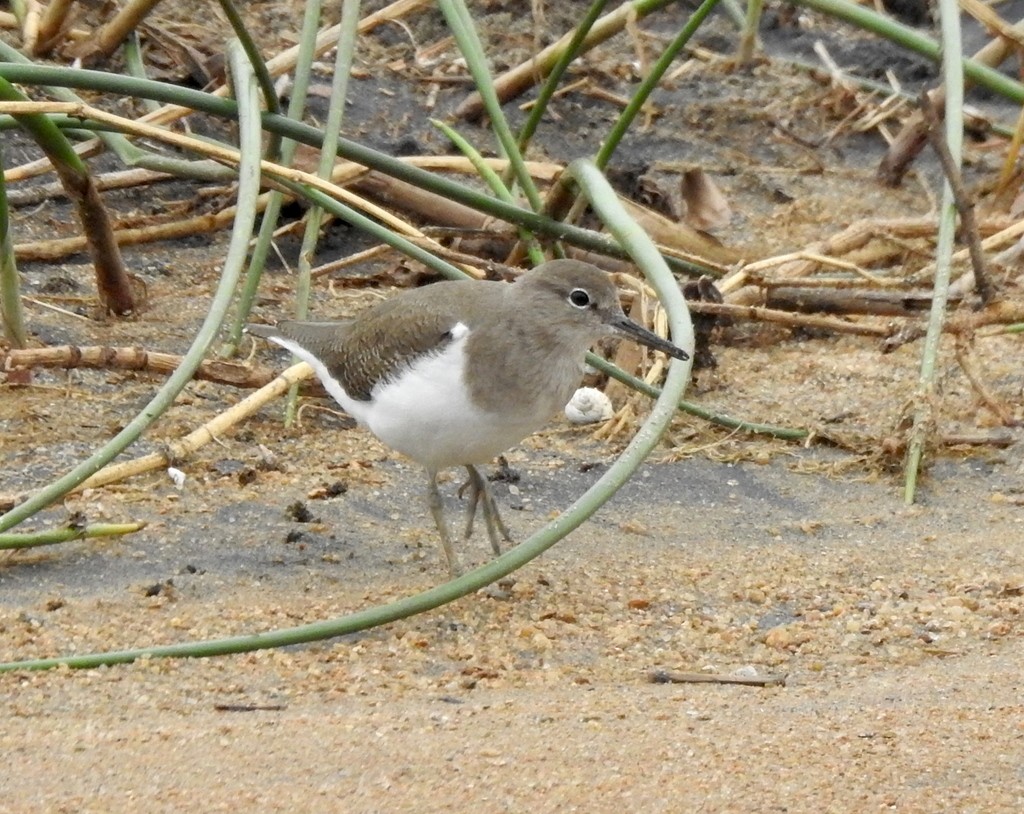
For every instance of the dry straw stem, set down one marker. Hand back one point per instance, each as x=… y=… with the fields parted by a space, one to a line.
x=57 y=248
x=102 y=357
x=984 y=14
x=282 y=63
x=216 y=152
x=200 y=437
x=30 y=30
x=820 y=259
x=42 y=166
x=758 y=314
x=119 y=179
x=52 y=23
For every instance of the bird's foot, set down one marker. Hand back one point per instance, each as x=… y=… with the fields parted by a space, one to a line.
x=480 y=494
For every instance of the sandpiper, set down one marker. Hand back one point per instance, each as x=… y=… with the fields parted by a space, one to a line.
x=455 y=373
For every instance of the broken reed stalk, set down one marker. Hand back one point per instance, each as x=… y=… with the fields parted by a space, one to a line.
x=105 y=40
x=112 y=282
x=200 y=437
x=100 y=357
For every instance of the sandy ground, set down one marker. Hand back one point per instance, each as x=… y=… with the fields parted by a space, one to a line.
x=898 y=630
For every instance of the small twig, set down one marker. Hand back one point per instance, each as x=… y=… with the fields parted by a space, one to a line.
x=786 y=318
x=984 y=438
x=672 y=677
x=988 y=398
x=120 y=179
x=964 y=204
x=249 y=707
x=350 y=260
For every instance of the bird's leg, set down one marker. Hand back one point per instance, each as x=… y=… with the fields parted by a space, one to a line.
x=437 y=510
x=480 y=492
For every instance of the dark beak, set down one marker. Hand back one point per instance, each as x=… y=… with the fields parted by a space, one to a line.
x=626 y=327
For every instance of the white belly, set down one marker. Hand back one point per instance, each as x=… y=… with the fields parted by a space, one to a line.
x=427 y=413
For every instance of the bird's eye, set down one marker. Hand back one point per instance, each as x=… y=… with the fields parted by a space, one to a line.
x=579 y=298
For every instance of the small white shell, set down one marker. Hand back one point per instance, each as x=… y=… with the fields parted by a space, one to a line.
x=588 y=406
x=177 y=476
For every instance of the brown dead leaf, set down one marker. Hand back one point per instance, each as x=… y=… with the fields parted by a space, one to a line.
x=706 y=206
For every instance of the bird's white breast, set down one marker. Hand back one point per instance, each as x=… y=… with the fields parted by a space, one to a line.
x=426 y=412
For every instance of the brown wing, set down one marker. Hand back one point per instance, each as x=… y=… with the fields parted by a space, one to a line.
x=381 y=342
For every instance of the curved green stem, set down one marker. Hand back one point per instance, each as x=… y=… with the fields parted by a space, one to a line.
x=496 y=183
x=650 y=82
x=617 y=373
x=924 y=408
x=248 y=191
x=550 y=85
x=353 y=151
x=11 y=312
x=461 y=24
x=646 y=255
x=35 y=539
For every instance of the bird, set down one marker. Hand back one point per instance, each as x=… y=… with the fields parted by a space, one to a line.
x=454 y=373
